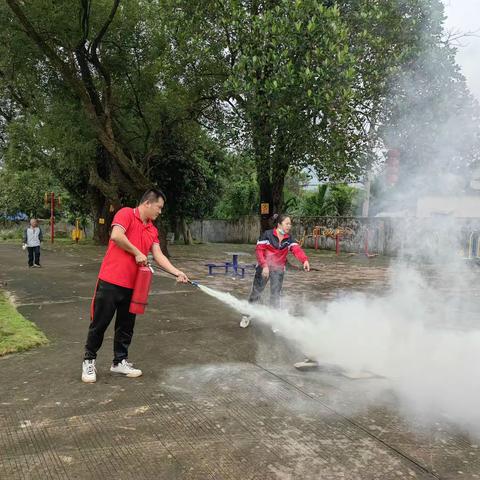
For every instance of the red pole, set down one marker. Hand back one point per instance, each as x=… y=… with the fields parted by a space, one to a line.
x=52 y=217
x=366 y=244
x=337 y=244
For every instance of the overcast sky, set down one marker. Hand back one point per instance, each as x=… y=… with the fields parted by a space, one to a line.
x=464 y=15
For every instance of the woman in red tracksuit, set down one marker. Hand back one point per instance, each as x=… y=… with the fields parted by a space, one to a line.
x=272 y=250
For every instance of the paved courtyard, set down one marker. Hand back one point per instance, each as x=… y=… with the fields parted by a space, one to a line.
x=215 y=401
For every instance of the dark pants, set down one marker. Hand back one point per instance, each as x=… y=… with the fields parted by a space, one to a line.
x=110 y=298
x=33 y=252
x=259 y=284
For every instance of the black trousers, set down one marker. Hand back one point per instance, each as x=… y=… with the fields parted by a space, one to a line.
x=259 y=284
x=110 y=298
x=33 y=253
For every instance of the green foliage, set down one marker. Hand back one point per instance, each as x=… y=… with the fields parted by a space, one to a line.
x=329 y=200
x=345 y=199
x=107 y=114
x=240 y=198
x=189 y=156
x=304 y=83
x=240 y=190
x=11 y=231
x=23 y=191
x=315 y=204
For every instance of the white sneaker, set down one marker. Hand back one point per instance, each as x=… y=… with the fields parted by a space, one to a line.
x=307 y=364
x=89 y=371
x=126 y=368
x=245 y=321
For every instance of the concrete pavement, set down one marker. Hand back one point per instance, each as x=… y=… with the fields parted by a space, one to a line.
x=215 y=401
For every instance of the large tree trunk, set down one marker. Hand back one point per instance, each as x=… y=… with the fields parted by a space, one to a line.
x=176 y=227
x=162 y=236
x=104 y=196
x=187 y=235
x=277 y=194
x=280 y=165
x=262 y=145
x=271 y=179
x=102 y=217
x=265 y=199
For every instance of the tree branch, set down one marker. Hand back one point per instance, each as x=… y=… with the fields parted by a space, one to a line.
x=68 y=74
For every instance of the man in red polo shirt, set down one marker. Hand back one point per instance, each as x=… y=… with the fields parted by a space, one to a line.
x=133 y=237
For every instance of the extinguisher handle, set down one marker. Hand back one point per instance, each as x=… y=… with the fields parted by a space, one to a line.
x=149 y=265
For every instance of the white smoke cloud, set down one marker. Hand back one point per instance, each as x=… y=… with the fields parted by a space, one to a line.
x=412 y=335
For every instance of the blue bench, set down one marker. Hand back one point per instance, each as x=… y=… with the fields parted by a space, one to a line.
x=237 y=269
x=211 y=266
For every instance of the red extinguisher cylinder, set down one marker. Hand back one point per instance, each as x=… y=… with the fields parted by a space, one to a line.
x=141 y=290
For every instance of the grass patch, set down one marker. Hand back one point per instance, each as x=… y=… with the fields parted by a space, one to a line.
x=16 y=332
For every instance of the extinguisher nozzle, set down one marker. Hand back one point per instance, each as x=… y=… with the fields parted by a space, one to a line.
x=194 y=283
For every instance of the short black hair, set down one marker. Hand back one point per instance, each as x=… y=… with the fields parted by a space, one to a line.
x=152 y=195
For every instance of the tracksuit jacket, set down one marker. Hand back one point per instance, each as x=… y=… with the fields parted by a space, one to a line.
x=272 y=253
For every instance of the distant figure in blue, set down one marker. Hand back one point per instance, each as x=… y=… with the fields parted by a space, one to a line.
x=32 y=238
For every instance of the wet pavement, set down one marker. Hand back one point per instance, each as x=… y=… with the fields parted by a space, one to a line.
x=215 y=401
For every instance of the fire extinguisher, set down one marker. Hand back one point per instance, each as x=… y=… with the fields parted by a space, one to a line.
x=141 y=290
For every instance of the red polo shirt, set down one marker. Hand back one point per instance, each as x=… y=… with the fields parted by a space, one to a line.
x=118 y=266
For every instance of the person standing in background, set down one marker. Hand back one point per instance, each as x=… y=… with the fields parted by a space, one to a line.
x=32 y=238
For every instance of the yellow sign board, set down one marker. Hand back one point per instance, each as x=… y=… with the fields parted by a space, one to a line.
x=101 y=221
x=264 y=208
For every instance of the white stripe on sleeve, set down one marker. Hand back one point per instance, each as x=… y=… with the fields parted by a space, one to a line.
x=118 y=225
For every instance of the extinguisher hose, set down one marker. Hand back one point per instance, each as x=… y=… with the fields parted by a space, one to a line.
x=191 y=282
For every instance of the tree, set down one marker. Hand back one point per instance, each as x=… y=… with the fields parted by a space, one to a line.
x=303 y=82
x=291 y=96
x=109 y=85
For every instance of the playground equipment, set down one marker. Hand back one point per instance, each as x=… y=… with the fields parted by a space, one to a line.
x=321 y=231
x=366 y=251
x=77 y=232
x=237 y=268
x=54 y=202
x=317 y=232
x=316 y=235
x=338 y=234
x=473 y=245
